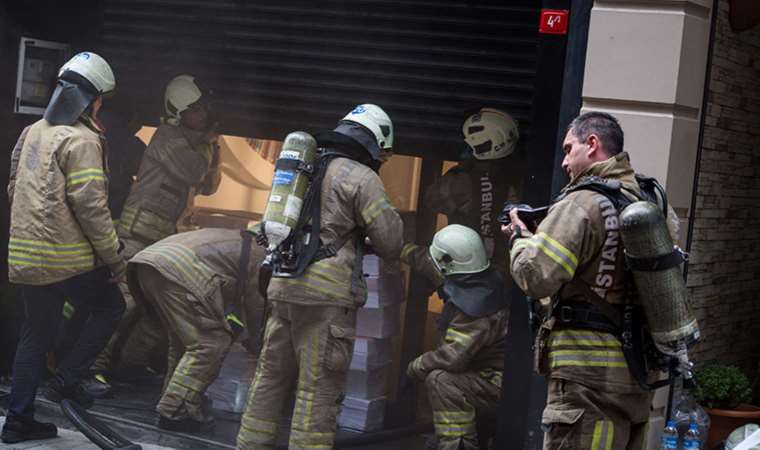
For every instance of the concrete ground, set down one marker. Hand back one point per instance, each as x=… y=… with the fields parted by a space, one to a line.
x=66 y=440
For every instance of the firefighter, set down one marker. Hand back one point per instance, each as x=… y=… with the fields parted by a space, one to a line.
x=200 y=284
x=575 y=256
x=182 y=158
x=473 y=192
x=463 y=374
x=62 y=241
x=308 y=337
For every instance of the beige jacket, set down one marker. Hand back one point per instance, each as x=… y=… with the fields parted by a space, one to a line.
x=470 y=344
x=206 y=262
x=176 y=162
x=577 y=248
x=60 y=223
x=353 y=199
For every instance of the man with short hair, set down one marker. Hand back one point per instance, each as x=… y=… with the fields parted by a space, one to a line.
x=576 y=257
x=62 y=241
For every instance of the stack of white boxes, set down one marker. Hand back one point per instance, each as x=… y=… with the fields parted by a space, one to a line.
x=376 y=323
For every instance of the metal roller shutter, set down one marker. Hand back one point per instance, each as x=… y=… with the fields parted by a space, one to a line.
x=283 y=65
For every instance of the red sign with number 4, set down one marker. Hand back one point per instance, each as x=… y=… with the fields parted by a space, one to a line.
x=553 y=21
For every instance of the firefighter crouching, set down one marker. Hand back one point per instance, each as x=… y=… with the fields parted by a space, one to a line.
x=308 y=337
x=463 y=374
x=62 y=241
x=202 y=285
x=576 y=256
x=182 y=158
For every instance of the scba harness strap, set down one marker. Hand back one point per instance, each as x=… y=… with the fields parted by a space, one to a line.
x=627 y=322
x=305 y=241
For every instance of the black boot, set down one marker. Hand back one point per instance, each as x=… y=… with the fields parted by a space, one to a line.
x=56 y=392
x=19 y=430
x=185 y=425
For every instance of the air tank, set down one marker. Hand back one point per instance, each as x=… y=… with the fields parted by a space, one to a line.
x=661 y=290
x=289 y=186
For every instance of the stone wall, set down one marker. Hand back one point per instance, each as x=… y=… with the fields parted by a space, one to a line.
x=724 y=271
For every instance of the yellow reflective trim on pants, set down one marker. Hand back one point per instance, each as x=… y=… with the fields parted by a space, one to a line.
x=604 y=431
x=312 y=439
x=453 y=416
x=454 y=423
x=587 y=358
x=453 y=335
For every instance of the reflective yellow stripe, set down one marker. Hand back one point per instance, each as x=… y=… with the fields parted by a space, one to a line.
x=27 y=260
x=233 y=318
x=587 y=358
x=453 y=416
x=109 y=241
x=408 y=248
x=374 y=209
x=83 y=176
x=454 y=423
x=559 y=259
x=560 y=247
x=453 y=335
x=47 y=248
x=68 y=310
x=604 y=431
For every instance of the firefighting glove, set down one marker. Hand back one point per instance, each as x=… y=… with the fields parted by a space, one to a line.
x=415 y=370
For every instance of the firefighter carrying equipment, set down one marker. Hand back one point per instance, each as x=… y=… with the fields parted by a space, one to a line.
x=181 y=92
x=491 y=134
x=80 y=81
x=457 y=249
x=660 y=290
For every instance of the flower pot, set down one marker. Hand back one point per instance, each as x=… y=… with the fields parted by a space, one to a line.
x=724 y=421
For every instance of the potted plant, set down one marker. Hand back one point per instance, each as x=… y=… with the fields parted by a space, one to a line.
x=724 y=392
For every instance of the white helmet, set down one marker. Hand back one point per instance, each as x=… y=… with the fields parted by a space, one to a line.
x=94 y=69
x=373 y=118
x=491 y=134
x=83 y=78
x=181 y=92
x=458 y=249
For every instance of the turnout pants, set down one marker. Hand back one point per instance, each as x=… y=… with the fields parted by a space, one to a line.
x=455 y=398
x=138 y=335
x=198 y=343
x=310 y=345
x=578 y=417
x=43 y=307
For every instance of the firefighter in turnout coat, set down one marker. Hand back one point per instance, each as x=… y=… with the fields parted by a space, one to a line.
x=575 y=256
x=181 y=159
x=308 y=337
x=202 y=285
x=62 y=240
x=463 y=374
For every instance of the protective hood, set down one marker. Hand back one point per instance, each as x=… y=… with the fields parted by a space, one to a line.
x=68 y=102
x=476 y=294
x=346 y=144
x=362 y=136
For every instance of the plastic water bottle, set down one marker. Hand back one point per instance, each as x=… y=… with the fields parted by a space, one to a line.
x=691 y=439
x=669 y=437
x=686 y=412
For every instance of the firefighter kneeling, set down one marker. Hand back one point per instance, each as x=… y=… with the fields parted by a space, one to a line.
x=198 y=283
x=463 y=374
